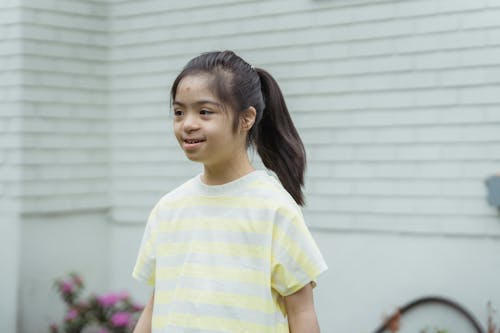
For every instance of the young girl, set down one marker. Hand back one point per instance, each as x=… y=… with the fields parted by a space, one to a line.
x=228 y=251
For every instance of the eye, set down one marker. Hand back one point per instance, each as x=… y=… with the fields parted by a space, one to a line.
x=205 y=112
x=178 y=113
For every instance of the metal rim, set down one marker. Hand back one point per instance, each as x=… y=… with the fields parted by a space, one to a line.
x=434 y=299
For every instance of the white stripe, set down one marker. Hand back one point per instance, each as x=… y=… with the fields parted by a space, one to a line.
x=230 y=237
x=211 y=259
x=246 y=315
x=234 y=287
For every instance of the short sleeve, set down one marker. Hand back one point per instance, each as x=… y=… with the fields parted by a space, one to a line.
x=296 y=259
x=144 y=269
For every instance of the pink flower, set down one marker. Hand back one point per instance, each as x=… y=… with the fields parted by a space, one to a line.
x=72 y=314
x=108 y=299
x=120 y=319
x=66 y=287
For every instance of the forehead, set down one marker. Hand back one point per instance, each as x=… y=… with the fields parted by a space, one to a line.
x=195 y=87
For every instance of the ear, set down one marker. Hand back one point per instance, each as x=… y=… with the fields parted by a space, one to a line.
x=248 y=119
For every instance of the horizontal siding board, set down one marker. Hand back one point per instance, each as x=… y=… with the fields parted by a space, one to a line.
x=77 y=8
x=60 y=50
x=60 y=20
x=428 y=225
x=88 y=186
x=450 y=188
x=457 y=152
x=68 y=157
x=9 y=47
x=403 y=169
x=73 y=140
x=64 y=65
x=409 y=117
x=69 y=204
x=65 y=110
x=378 y=204
x=65 y=81
x=132 y=8
x=56 y=34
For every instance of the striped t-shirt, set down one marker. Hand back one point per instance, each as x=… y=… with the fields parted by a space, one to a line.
x=221 y=257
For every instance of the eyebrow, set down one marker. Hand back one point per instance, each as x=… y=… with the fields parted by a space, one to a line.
x=198 y=103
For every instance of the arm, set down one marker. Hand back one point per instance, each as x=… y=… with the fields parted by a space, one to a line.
x=144 y=323
x=300 y=309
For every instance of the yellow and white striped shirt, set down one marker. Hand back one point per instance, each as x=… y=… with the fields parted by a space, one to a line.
x=221 y=257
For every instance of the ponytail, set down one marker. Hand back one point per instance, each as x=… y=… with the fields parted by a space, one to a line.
x=277 y=140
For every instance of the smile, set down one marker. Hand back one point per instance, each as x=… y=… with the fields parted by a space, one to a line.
x=192 y=144
x=192 y=141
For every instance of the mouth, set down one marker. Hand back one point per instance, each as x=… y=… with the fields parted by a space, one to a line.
x=193 y=141
x=192 y=144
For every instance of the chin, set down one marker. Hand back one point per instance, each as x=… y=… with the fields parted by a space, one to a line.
x=194 y=158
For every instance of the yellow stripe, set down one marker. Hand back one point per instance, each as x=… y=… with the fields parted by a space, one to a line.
x=291 y=281
x=216 y=298
x=233 y=202
x=287 y=244
x=152 y=278
x=216 y=323
x=259 y=184
x=138 y=271
x=215 y=273
x=206 y=223
x=217 y=248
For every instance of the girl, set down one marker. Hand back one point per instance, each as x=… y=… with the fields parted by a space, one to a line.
x=228 y=251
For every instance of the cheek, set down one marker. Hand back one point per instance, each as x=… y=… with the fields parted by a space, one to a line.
x=177 y=129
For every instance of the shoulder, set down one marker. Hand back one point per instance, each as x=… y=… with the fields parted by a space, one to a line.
x=185 y=189
x=266 y=187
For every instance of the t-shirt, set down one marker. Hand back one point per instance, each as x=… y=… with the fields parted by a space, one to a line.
x=221 y=257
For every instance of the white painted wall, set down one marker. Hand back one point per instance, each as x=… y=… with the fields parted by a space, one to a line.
x=54 y=155
x=397 y=102
x=52 y=246
x=9 y=259
x=65 y=119
x=372 y=274
x=10 y=142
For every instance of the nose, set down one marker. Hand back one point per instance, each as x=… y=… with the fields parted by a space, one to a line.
x=190 y=123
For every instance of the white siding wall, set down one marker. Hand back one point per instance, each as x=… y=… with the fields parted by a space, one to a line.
x=10 y=142
x=63 y=156
x=65 y=114
x=398 y=104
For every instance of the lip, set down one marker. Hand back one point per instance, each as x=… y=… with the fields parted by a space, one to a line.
x=192 y=143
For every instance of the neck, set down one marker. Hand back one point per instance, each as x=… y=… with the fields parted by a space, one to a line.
x=217 y=175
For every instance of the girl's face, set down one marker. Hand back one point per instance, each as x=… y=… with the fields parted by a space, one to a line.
x=203 y=127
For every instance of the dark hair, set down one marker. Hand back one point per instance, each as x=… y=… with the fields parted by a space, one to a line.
x=240 y=86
